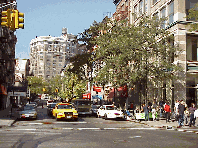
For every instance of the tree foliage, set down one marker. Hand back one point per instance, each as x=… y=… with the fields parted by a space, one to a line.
x=71 y=85
x=134 y=54
x=36 y=84
x=87 y=39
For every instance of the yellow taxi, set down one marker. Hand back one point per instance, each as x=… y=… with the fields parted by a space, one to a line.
x=65 y=111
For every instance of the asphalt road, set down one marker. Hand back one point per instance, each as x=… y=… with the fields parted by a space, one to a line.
x=90 y=132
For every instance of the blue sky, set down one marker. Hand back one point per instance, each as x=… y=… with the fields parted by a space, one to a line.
x=48 y=17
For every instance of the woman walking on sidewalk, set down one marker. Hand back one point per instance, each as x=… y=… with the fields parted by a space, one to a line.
x=192 y=111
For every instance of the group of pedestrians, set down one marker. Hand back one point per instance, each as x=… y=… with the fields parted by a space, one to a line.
x=181 y=112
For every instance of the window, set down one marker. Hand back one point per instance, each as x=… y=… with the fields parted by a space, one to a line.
x=146 y=5
x=163 y=15
x=141 y=7
x=135 y=12
x=189 y=5
x=171 y=12
x=154 y=1
x=156 y=15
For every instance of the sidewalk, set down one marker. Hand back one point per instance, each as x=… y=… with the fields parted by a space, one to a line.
x=161 y=123
x=6 y=118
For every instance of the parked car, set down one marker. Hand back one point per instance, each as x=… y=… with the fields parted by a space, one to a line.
x=196 y=114
x=27 y=112
x=37 y=101
x=51 y=101
x=34 y=104
x=94 y=109
x=65 y=111
x=110 y=112
x=50 y=107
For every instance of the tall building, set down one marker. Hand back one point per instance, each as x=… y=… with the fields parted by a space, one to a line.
x=48 y=55
x=8 y=40
x=177 y=23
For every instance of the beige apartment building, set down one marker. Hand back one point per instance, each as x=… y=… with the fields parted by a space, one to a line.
x=49 y=55
x=176 y=12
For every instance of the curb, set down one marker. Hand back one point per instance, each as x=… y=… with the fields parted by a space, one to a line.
x=15 y=120
x=166 y=127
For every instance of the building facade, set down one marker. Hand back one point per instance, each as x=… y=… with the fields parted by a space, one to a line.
x=177 y=23
x=49 y=55
x=7 y=55
x=18 y=93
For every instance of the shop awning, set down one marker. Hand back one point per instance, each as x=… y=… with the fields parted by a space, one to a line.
x=87 y=96
x=3 y=90
x=97 y=89
x=120 y=92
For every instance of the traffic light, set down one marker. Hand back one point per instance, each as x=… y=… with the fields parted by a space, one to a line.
x=5 y=18
x=19 y=19
x=12 y=23
x=44 y=89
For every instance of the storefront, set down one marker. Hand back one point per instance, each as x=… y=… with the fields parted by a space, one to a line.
x=3 y=97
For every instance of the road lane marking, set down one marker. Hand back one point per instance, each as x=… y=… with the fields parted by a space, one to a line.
x=68 y=128
x=45 y=133
x=28 y=129
x=88 y=128
x=35 y=123
x=41 y=123
x=69 y=122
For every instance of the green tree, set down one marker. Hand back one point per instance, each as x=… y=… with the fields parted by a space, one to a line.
x=193 y=15
x=87 y=39
x=132 y=54
x=36 y=84
x=53 y=86
x=71 y=85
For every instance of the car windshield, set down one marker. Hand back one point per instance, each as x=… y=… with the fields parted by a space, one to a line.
x=64 y=106
x=95 y=107
x=110 y=107
x=84 y=103
x=28 y=107
x=52 y=105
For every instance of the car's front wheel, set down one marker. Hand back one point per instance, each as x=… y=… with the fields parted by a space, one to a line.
x=105 y=116
x=57 y=118
x=97 y=116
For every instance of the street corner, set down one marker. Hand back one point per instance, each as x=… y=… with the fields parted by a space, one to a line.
x=7 y=122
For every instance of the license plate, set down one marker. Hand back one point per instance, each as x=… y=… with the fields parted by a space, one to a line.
x=27 y=115
x=68 y=116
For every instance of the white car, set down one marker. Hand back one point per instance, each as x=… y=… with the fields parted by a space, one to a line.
x=110 y=112
x=196 y=113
